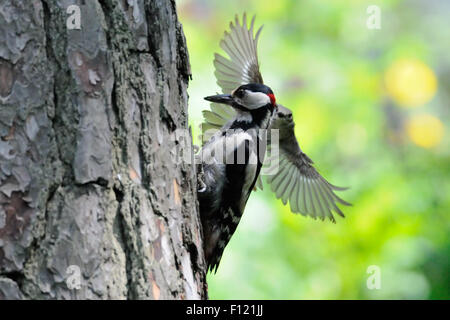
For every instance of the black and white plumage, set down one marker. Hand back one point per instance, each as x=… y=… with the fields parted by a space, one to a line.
x=229 y=165
x=296 y=181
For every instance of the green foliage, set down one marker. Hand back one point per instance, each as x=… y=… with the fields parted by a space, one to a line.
x=324 y=63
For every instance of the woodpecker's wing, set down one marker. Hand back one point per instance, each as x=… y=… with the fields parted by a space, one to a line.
x=215 y=119
x=240 y=68
x=296 y=180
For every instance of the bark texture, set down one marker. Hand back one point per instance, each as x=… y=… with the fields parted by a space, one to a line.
x=88 y=172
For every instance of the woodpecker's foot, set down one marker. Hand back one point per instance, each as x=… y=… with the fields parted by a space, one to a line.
x=201 y=185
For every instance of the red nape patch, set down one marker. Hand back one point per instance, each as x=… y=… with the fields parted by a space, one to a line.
x=272 y=98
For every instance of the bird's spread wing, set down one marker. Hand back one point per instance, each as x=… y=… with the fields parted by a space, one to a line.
x=296 y=181
x=242 y=67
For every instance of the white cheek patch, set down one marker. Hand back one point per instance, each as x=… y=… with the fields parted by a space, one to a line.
x=255 y=100
x=243 y=116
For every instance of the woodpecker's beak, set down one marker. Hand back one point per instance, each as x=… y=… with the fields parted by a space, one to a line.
x=221 y=98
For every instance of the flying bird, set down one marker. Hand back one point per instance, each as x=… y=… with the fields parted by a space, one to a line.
x=233 y=126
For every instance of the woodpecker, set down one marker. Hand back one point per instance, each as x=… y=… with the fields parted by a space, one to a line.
x=239 y=115
x=230 y=164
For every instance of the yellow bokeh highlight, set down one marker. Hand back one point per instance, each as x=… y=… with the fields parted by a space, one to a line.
x=410 y=82
x=425 y=130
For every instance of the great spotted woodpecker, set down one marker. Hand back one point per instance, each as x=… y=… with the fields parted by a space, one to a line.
x=230 y=160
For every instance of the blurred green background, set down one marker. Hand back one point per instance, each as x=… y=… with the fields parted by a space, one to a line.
x=371 y=108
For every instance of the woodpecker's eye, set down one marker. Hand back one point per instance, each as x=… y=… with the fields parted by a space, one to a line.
x=239 y=93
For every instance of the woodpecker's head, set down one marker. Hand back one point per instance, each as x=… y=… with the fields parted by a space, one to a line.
x=247 y=97
x=282 y=118
x=283 y=122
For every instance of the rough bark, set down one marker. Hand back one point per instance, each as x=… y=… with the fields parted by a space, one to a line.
x=88 y=174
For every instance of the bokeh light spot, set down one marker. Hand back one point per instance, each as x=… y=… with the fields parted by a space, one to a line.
x=410 y=82
x=425 y=130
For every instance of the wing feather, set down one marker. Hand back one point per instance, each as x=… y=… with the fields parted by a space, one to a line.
x=331 y=205
x=314 y=201
x=300 y=191
x=259 y=183
x=213 y=118
x=285 y=182
x=310 y=194
x=301 y=199
x=321 y=201
x=276 y=174
x=289 y=189
x=223 y=111
x=310 y=200
x=294 y=195
x=224 y=65
x=280 y=177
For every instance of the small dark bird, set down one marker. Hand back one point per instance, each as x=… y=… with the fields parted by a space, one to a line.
x=230 y=161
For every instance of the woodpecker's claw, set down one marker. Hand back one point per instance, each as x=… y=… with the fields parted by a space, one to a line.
x=201 y=185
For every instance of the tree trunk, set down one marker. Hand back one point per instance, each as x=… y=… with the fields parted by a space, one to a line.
x=93 y=201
